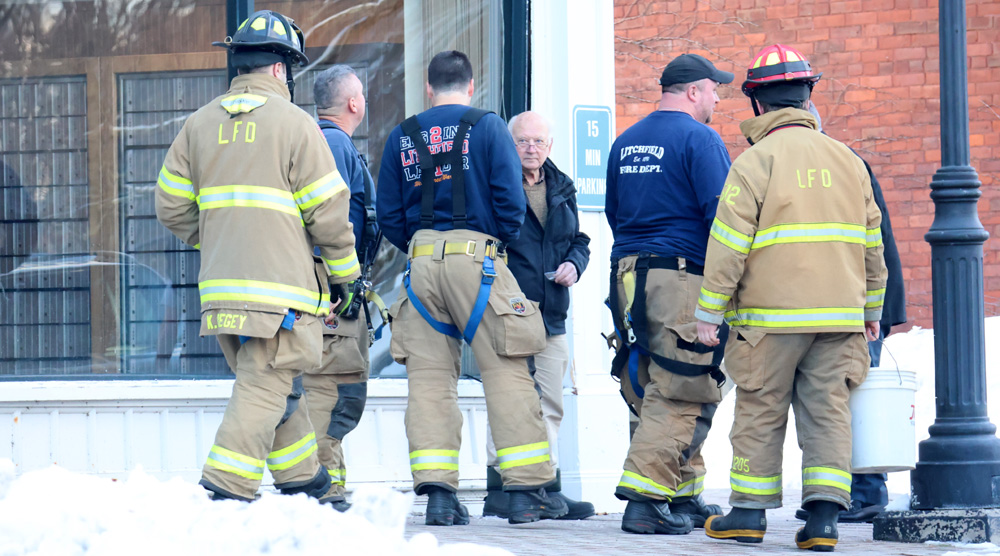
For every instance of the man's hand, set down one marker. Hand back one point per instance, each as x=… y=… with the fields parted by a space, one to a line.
x=566 y=274
x=871 y=330
x=708 y=333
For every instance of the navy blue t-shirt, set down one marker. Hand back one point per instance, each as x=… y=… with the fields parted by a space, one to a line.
x=665 y=175
x=493 y=193
x=353 y=171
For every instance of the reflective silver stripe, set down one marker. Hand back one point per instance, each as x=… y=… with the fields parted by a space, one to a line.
x=214 y=455
x=874 y=238
x=305 y=448
x=826 y=476
x=792 y=232
x=787 y=318
x=169 y=181
x=730 y=237
x=433 y=459
x=517 y=456
x=874 y=298
x=762 y=486
x=692 y=487
x=641 y=484
x=712 y=300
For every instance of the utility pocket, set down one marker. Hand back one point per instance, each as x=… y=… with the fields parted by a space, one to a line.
x=397 y=328
x=746 y=358
x=517 y=326
x=341 y=352
x=860 y=361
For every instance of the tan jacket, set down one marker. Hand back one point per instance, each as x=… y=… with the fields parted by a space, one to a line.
x=795 y=245
x=251 y=182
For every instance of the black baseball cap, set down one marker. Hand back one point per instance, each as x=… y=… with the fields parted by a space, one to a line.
x=688 y=68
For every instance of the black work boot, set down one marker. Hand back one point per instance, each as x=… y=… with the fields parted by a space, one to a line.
x=654 y=517
x=576 y=510
x=695 y=508
x=315 y=487
x=820 y=532
x=740 y=525
x=497 y=501
x=338 y=503
x=443 y=507
x=527 y=506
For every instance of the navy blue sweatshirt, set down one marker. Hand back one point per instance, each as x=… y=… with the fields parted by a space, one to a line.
x=665 y=174
x=353 y=171
x=494 y=197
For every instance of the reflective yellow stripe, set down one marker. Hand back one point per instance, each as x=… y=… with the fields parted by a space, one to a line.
x=755 y=485
x=434 y=459
x=235 y=463
x=793 y=318
x=809 y=233
x=175 y=185
x=320 y=190
x=644 y=485
x=287 y=457
x=691 y=488
x=873 y=238
x=254 y=196
x=826 y=476
x=242 y=103
x=874 y=298
x=338 y=476
x=730 y=237
x=711 y=300
x=526 y=454
x=259 y=292
x=345 y=266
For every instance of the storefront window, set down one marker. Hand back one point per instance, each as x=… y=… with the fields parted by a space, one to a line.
x=91 y=95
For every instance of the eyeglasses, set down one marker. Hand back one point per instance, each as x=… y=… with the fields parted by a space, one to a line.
x=525 y=143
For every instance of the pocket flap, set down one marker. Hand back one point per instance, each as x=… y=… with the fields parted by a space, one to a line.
x=516 y=304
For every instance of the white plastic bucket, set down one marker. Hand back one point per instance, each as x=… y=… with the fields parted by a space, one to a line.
x=883 y=412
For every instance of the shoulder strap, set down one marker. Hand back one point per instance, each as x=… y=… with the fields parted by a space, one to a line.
x=411 y=128
x=470 y=118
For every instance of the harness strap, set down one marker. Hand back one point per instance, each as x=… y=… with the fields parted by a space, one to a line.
x=429 y=163
x=635 y=321
x=478 y=308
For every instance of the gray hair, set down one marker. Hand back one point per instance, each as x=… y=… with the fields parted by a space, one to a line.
x=330 y=90
x=548 y=125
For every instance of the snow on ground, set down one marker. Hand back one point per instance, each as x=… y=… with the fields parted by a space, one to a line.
x=912 y=350
x=55 y=512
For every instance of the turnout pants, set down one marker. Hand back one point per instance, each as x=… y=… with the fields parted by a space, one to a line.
x=266 y=420
x=675 y=414
x=548 y=371
x=337 y=394
x=815 y=374
x=447 y=285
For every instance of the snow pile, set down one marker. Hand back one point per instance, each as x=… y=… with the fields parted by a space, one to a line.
x=61 y=513
x=967 y=549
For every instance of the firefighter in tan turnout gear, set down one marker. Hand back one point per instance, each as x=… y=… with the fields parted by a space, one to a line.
x=795 y=267
x=664 y=178
x=251 y=183
x=449 y=195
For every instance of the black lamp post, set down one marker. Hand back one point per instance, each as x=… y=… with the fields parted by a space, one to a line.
x=958 y=473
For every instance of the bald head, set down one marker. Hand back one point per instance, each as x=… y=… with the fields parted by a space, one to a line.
x=532 y=136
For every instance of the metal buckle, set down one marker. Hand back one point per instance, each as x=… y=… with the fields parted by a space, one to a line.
x=470 y=248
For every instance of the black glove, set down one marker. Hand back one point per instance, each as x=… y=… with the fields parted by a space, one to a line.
x=337 y=291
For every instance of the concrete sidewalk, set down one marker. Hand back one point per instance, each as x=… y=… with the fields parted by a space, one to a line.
x=602 y=535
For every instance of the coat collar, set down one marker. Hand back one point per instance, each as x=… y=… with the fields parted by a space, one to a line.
x=260 y=83
x=755 y=129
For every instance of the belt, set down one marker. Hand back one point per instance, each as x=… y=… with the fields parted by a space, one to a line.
x=673 y=263
x=493 y=248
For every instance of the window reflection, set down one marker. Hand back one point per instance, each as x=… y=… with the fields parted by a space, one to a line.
x=91 y=95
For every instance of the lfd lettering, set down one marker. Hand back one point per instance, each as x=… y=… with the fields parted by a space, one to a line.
x=249 y=132
x=825 y=178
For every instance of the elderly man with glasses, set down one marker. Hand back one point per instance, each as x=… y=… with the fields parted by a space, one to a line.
x=547 y=258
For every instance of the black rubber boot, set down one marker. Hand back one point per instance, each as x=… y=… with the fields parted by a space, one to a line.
x=443 y=508
x=820 y=532
x=315 y=487
x=338 y=503
x=695 y=508
x=740 y=525
x=654 y=517
x=859 y=513
x=497 y=502
x=527 y=506
x=218 y=493
x=576 y=510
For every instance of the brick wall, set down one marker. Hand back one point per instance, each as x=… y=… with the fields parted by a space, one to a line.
x=879 y=94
